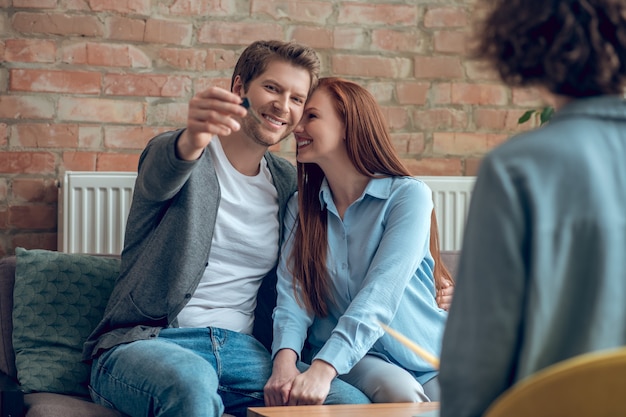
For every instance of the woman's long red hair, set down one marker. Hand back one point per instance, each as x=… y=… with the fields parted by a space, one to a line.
x=371 y=151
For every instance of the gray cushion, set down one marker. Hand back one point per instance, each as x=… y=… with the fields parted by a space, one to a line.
x=7 y=280
x=58 y=299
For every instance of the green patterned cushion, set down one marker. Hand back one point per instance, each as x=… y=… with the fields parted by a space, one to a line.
x=57 y=300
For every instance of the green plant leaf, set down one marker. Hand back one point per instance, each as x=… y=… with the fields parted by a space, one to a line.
x=525 y=117
x=546 y=114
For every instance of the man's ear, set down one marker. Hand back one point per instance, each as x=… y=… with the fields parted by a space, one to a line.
x=238 y=86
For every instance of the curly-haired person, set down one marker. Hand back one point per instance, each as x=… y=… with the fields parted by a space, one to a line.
x=542 y=275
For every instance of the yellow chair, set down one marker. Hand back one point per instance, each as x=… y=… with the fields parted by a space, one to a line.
x=589 y=385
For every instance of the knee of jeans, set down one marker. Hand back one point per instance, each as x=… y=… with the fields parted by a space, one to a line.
x=342 y=392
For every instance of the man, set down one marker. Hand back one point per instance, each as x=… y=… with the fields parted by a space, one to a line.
x=541 y=275
x=203 y=232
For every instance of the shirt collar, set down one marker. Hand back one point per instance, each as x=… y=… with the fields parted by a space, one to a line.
x=377 y=187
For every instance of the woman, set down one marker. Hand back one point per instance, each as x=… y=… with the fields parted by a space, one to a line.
x=361 y=251
x=541 y=275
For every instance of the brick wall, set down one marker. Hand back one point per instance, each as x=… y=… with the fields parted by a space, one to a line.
x=85 y=83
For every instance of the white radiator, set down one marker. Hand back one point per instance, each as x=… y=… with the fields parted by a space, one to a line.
x=451 y=196
x=93 y=207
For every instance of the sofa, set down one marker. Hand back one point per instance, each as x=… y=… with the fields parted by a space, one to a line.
x=47 y=307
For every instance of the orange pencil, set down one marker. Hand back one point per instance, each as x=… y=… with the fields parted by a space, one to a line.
x=427 y=356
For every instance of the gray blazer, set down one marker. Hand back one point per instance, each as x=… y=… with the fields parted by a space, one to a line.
x=542 y=274
x=167 y=243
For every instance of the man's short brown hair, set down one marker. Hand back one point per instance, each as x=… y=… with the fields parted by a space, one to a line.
x=255 y=58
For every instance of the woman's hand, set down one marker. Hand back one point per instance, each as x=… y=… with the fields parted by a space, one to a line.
x=444 y=295
x=278 y=387
x=312 y=386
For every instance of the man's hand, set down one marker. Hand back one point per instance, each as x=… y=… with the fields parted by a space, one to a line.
x=277 y=389
x=444 y=295
x=213 y=111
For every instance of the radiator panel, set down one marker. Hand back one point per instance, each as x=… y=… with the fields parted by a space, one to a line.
x=451 y=197
x=93 y=211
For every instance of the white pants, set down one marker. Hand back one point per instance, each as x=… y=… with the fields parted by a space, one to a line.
x=385 y=382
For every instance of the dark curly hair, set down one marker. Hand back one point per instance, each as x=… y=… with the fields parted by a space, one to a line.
x=575 y=48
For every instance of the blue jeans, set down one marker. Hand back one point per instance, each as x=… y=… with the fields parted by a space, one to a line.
x=199 y=372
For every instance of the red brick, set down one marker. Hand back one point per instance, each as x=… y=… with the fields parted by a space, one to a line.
x=46 y=135
x=438 y=67
x=442 y=93
x=116 y=137
x=146 y=85
x=41 y=4
x=168 y=32
x=125 y=28
x=78 y=82
x=27 y=163
x=502 y=120
x=296 y=10
x=101 y=110
x=412 y=92
x=447 y=41
x=106 y=55
x=440 y=119
x=238 y=33
x=397 y=117
x=79 y=161
x=472 y=166
x=4 y=218
x=57 y=24
x=482 y=94
x=33 y=216
x=173 y=114
x=185 y=59
x=16 y=107
x=315 y=37
x=370 y=66
x=41 y=240
x=35 y=190
x=386 y=14
x=434 y=166
x=4 y=134
x=446 y=143
x=221 y=59
x=480 y=71
x=527 y=97
x=89 y=137
x=196 y=8
x=122 y=7
x=408 y=143
x=30 y=50
x=4 y=190
x=202 y=83
x=398 y=40
x=117 y=162
x=382 y=91
x=352 y=39
x=447 y=17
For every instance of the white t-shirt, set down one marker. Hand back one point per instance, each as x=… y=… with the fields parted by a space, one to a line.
x=244 y=249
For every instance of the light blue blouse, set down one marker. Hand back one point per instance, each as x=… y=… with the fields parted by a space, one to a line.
x=381 y=271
